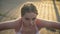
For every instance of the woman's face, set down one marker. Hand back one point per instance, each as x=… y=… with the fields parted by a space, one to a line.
x=29 y=18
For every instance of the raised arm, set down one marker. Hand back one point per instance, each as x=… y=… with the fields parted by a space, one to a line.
x=8 y=25
x=49 y=24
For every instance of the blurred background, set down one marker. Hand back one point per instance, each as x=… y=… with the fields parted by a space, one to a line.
x=47 y=9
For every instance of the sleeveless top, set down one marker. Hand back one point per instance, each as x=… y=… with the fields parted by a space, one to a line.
x=19 y=32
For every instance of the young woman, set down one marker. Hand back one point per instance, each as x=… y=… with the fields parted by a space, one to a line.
x=28 y=23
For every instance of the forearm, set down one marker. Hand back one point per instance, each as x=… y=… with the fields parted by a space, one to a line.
x=3 y=26
x=52 y=24
x=55 y=25
x=6 y=25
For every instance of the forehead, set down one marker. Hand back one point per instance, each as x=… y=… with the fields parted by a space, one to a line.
x=30 y=15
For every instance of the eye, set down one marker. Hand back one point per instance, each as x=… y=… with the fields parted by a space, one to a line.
x=33 y=18
x=26 y=18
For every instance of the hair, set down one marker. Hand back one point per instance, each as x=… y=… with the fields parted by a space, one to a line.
x=28 y=7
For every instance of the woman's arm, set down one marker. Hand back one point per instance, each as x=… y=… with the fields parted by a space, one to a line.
x=49 y=24
x=8 y=25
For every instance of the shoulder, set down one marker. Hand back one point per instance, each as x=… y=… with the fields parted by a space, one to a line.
x=18 y=24
x=18 y=21
x=38 y=21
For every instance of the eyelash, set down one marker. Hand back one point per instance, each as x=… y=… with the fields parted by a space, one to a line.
x=33 y=18
x=28 y=18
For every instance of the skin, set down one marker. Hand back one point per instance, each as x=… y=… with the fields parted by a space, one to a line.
x=29 y=24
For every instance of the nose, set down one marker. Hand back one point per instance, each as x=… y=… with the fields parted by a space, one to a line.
x=31 y=22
